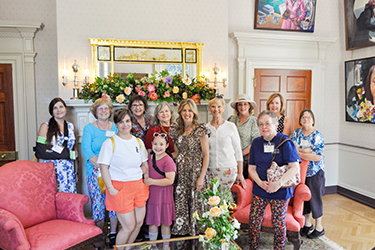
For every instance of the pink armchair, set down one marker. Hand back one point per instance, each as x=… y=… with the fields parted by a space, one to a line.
x=294 y=218
x=33 y=215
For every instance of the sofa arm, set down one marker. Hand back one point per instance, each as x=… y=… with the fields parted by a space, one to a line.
x=12 y=233
x=301 y=194
x=244 y=196
x=70 y=207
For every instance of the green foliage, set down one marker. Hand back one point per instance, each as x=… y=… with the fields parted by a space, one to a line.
x=157 y=88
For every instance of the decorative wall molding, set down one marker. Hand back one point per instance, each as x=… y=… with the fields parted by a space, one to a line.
x=257 y=50
x=17 y=49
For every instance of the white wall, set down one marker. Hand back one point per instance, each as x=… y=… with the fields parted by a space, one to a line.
x=166 y=20
x=43 y=11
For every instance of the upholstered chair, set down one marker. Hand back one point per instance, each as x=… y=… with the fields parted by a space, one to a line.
x=294 y=218
x=33 y=215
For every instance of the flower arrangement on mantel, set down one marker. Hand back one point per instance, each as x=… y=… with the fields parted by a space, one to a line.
x=157 y=88
x=220 y=228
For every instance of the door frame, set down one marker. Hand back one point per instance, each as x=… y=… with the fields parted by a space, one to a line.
x=317 y=87
x=17 y=39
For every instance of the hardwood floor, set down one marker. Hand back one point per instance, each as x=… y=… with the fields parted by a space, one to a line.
x=349 y=223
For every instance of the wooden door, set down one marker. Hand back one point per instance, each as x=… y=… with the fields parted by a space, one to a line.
x=293 y=85
x=7 y=138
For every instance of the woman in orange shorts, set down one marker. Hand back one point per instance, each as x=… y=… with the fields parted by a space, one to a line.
x=123 y=160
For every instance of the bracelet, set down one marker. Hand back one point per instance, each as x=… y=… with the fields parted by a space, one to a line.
x=110 y=187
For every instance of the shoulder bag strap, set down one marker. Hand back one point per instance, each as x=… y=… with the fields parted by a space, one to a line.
x=278 y=146
x=155 y=166
x=66 y=134
x=113 y=144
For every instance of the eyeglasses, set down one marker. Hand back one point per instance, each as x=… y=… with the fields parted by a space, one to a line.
x=163 y=135
x=137 y=105
x=218 y=96
x=267 y=124
x=103 y=108
x=306 y=117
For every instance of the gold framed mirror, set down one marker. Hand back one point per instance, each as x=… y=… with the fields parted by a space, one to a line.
x=133 y=56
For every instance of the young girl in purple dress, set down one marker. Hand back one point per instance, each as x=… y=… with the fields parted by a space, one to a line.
x=160 y=205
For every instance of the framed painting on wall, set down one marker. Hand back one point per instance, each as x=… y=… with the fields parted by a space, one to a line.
x=359 y=23
x=292 y=15
x=360 y=90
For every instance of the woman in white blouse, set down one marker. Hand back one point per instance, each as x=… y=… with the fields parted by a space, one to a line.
x=225 y=147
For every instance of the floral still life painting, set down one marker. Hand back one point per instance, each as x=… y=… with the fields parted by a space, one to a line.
x=157 y=88
x=219 y=227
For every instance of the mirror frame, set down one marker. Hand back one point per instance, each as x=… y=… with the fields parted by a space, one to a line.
x=108 y=48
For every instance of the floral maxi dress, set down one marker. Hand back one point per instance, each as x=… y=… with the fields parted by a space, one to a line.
x=65 y=174
x=189 y=166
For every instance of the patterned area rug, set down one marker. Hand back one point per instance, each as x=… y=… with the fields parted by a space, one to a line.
x=266 y=243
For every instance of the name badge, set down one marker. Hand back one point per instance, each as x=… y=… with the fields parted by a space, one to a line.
x=57 y=149
x=304 y=143
x=109 y=133
x=269 y=148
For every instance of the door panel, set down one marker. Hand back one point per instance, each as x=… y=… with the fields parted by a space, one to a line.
x=7 y=138
x=293 y=85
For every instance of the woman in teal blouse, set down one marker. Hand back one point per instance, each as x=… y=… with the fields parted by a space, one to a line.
x=94 y=134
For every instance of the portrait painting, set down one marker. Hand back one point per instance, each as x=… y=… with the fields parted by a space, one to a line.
x=360 y=90
x=359 y=23
x=292 y=15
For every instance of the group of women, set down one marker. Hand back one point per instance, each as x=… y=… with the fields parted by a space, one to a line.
x=137 y=156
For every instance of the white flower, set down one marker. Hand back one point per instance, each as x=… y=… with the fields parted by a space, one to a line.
x=187 y=81
x=236 y=224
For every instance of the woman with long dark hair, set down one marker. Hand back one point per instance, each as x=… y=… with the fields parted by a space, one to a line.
x=58 y=134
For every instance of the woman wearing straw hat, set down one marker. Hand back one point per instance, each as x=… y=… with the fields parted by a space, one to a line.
x=246 y=124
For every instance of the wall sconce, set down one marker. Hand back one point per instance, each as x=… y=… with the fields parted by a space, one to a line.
x=75 y=68
x=216 y=71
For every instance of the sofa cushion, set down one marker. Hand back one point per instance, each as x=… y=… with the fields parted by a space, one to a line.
x=59 y=234
x=28 y=189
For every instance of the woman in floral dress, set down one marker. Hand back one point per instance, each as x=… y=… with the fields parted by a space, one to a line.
x=52 y=133
x=191 y=144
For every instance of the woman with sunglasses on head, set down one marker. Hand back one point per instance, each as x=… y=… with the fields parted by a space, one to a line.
x=94 y=134
x=310 y=146
x=123 y=160
x=246 y=124
x=161 y=122
x=225 y=147
x=141 y=121
x=160 y=205
x=58 y=134
x=191 y=145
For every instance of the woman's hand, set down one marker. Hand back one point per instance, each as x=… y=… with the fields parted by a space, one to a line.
x=199 y=184
x=241 y=180
x=93 y=160
x=265 y=185
x=148 y=181
x=112 y=190
x=274 y=187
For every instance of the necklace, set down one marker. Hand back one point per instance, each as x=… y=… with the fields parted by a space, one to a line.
x=106 y=126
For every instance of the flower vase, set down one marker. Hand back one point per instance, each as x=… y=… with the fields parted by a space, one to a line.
x=224 y=246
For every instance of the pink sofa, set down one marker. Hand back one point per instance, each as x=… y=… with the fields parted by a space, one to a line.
x=294 y=218
x=33 y=215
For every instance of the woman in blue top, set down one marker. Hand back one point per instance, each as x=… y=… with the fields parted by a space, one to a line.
x=310 y=145
x=94 y=134
x=264 y=192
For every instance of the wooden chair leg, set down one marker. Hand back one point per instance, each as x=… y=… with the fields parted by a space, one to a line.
x=295 y=238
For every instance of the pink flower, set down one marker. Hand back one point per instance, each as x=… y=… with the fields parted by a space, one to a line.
x=138 y=89
x=153 y=96
x=195 y=98
x=166 y=94
x=141 y=93
x=105 y=96
x=151 y=88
